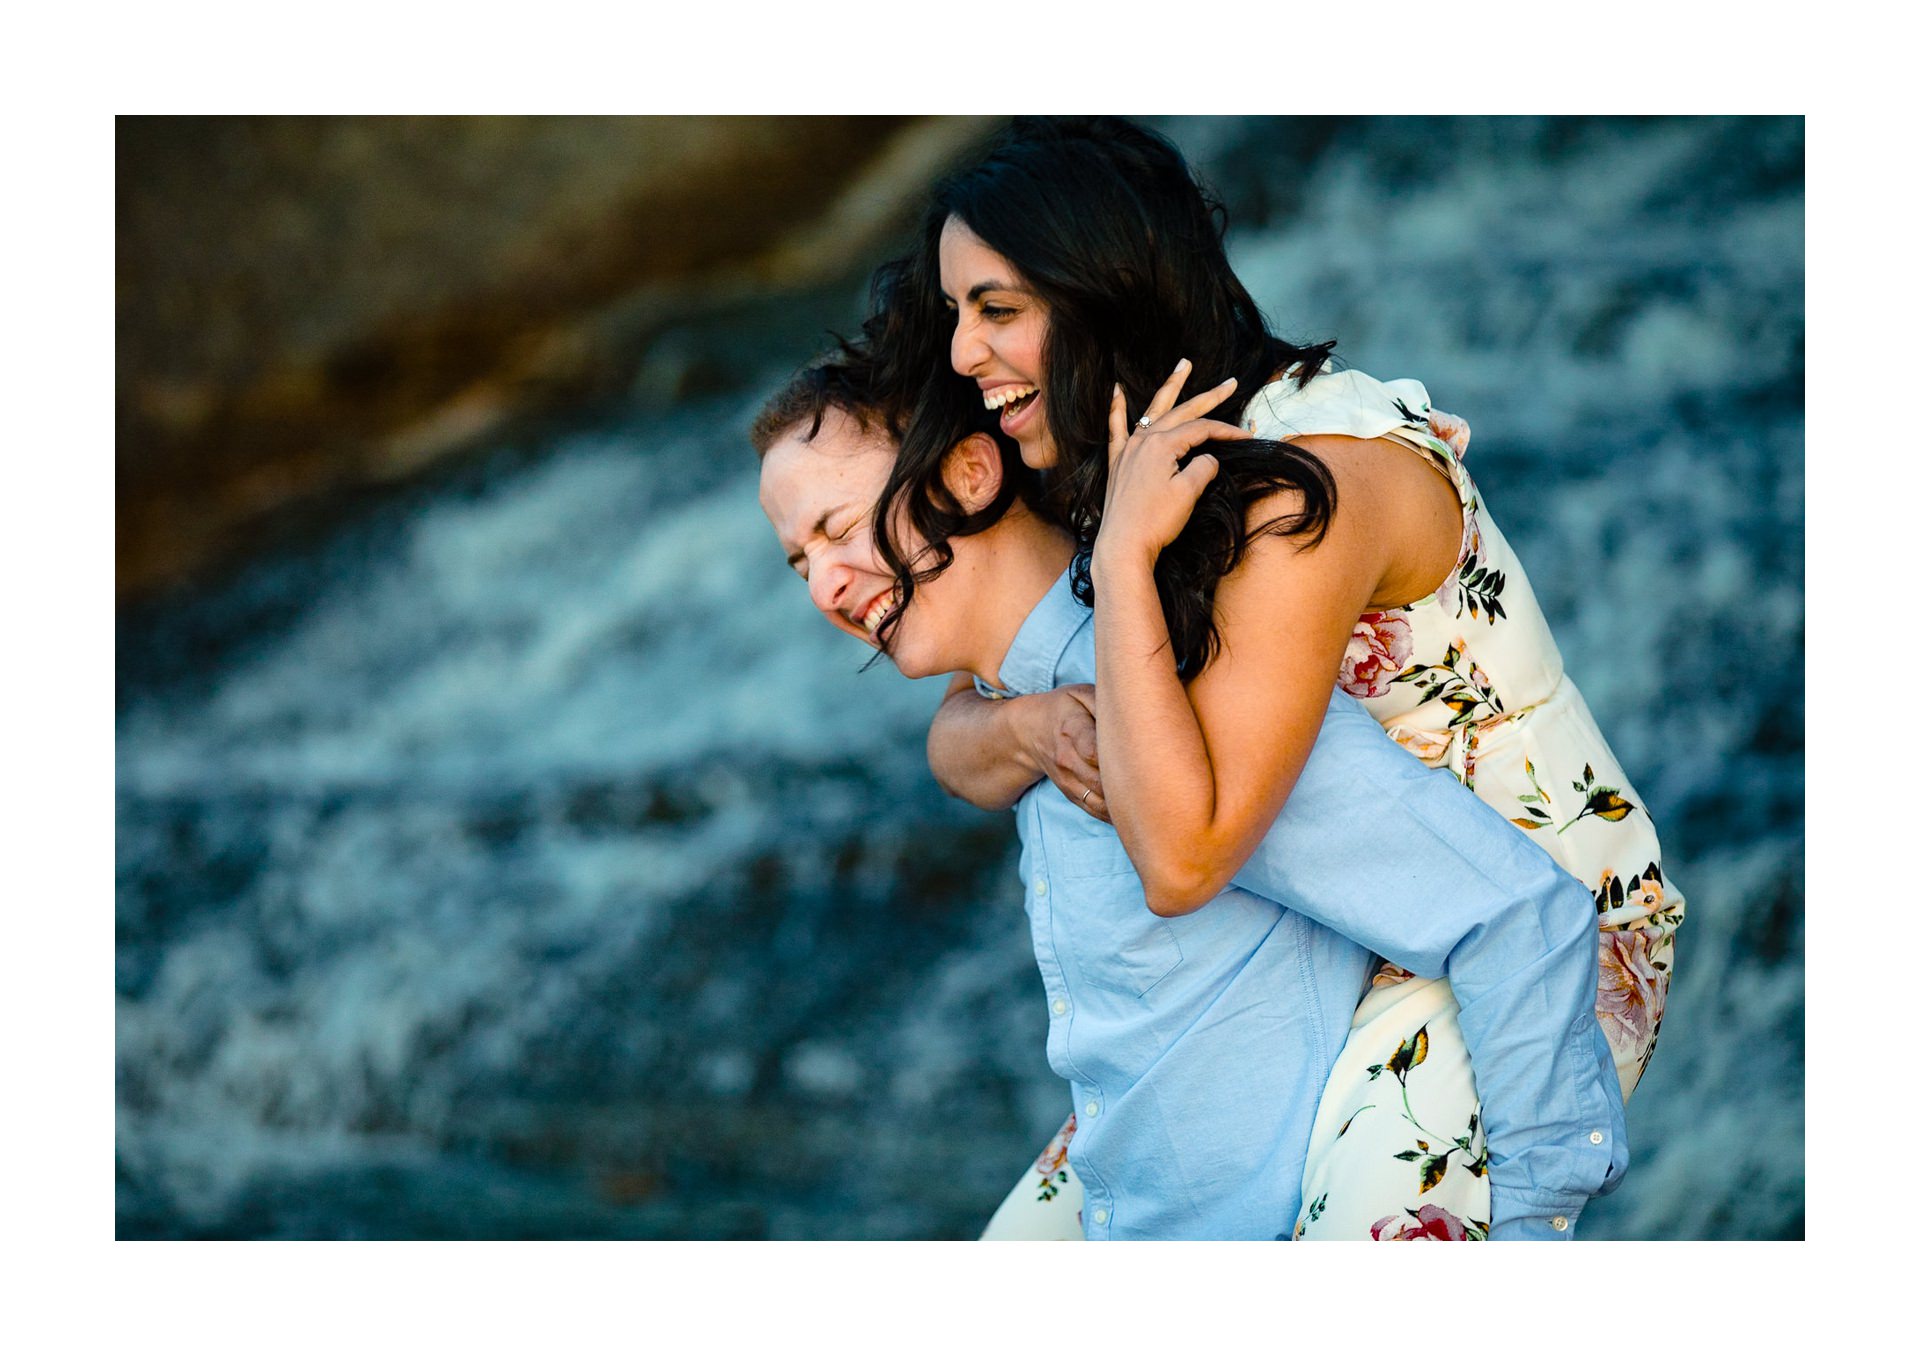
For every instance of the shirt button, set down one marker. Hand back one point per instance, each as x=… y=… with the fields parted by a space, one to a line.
x=1099 y=1217
x=1559 y=1224
x=1093 y=1108
x=1040 y=887
x=1597 y=1138
x=1060 y=1006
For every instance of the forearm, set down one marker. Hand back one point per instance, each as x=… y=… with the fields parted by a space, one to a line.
x=1555 y=1122
x=1159 y=777
x=1525 y=972
x=980 y=750
x=1455 y=891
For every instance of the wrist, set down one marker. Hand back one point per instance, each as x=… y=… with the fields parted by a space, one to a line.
x=1116 y=563
x=1033 y=731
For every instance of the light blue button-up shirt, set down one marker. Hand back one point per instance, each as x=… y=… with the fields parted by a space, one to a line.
x=1197 y=1047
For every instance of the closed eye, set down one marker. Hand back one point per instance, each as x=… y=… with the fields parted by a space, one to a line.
x=833 y=537
x=848 y=530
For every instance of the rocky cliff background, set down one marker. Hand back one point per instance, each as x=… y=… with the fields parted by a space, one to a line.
x=503 y=848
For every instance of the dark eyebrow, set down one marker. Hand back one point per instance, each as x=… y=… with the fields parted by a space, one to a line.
x=980 y=289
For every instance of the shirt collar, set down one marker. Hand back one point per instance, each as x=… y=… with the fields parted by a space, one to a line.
x=1034 y=657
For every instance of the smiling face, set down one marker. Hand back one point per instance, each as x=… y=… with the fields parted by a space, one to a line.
x=819 y=494
x=999 y=337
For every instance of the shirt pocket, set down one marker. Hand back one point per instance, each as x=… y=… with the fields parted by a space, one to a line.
x=1118 y=942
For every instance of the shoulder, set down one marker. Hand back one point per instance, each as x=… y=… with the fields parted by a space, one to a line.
x=1376 y=474
x=1382 y=492
x=1347 y=401
x=1394 y=535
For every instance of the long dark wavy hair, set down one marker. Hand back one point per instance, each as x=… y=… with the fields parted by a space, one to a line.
x=1108 y=227
x=909 y=342
x=892 y=378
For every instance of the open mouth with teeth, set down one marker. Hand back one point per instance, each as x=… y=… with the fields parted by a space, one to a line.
x=878 y=611
x=1012 y=402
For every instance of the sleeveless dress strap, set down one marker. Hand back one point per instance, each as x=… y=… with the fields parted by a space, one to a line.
x=1356 y=405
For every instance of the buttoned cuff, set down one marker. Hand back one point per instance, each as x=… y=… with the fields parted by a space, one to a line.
x=1521 y=1217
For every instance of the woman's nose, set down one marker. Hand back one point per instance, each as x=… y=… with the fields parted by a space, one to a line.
x=967 y=353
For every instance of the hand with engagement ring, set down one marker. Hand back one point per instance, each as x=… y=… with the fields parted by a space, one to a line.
x=1065 y=748
x=1150 y=495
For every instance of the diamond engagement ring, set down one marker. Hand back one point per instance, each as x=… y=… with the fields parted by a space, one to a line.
x=1145 y=421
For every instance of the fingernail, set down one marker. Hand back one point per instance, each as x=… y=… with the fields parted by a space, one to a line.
x=1182 y=365
x=1116 y=388
x=1231 y=381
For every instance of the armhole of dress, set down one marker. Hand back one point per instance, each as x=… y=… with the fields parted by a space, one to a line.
x=1448 y=469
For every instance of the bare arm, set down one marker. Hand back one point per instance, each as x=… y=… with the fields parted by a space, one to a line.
x=1197 y=773
x=988 y=753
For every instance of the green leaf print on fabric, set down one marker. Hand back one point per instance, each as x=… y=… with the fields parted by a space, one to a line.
x=1406 y=413
x=1478 y=1165
x=1536 y=815
x=1600 y=801
x=1647 y=891
x=1480 y=589
x=1466 y=691
x=1410 y=1055
x=1604 y=802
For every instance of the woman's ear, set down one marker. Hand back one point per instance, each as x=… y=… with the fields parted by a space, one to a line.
x=972 y=471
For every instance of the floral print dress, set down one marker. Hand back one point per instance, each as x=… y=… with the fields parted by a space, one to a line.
x=1469 y=679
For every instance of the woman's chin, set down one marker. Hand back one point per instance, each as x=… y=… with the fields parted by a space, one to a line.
x=1038 y=454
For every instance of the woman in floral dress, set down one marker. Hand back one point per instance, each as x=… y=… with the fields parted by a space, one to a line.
x=1469 y=678
x=1464 y=675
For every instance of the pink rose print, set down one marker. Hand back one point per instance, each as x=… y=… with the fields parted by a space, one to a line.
x=1054 y=1156
x=1450 y=429
x=1429 y=746
x=1379 y=648
x=1051 y=1166
x=1632 y=993
x=1390 y=974
x=1431 y=1225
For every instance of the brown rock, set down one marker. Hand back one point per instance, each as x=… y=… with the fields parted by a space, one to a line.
x=309 y=306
